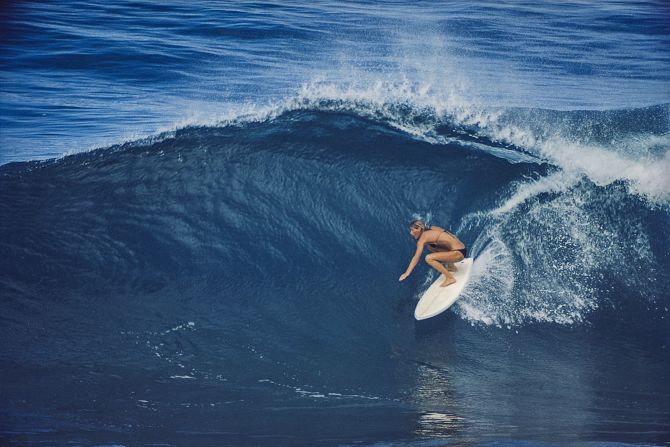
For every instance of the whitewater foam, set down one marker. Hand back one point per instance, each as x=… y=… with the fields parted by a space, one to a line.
x=647 y=177
x=490 y=288
x=641 y=161
x=551 y=251
x=556 y=182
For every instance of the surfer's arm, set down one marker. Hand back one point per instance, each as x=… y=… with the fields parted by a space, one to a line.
x=414 y=261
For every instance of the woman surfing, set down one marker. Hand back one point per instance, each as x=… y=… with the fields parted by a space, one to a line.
x=445 y=248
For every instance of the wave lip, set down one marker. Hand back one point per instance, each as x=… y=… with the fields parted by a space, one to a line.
x=628 y=145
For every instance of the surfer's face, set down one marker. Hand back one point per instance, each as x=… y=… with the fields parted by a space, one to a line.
x=415 y=232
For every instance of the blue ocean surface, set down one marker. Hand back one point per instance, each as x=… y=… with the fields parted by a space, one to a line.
x=204 y=209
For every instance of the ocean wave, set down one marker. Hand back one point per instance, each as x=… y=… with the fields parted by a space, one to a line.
x=156 y=214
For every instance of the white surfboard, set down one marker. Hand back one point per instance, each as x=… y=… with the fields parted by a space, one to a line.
x=438 y=299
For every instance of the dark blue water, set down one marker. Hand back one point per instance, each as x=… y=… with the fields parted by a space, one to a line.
x=222 y=269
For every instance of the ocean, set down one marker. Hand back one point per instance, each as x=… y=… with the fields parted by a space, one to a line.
x=204 y=212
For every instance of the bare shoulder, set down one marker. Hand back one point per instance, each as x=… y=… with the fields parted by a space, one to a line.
x=429 y=234
x=423 y=238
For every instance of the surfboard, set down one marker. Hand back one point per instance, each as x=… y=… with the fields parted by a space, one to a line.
x=437 y=299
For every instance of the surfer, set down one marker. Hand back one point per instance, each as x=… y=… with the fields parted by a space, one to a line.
x=445 y=248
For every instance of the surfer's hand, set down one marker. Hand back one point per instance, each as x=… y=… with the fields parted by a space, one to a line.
x=403 y=276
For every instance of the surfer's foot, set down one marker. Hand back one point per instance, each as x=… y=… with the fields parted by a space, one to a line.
x=448 y=282
x=451 y=268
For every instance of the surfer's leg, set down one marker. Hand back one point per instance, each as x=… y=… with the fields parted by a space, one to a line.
x=436 y=260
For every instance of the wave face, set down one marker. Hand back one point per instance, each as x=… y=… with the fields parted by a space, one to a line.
x=247 y=272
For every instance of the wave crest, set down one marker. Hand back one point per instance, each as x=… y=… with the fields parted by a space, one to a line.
x=630 y=145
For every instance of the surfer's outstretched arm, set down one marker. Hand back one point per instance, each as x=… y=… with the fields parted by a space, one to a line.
x=414 y=261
